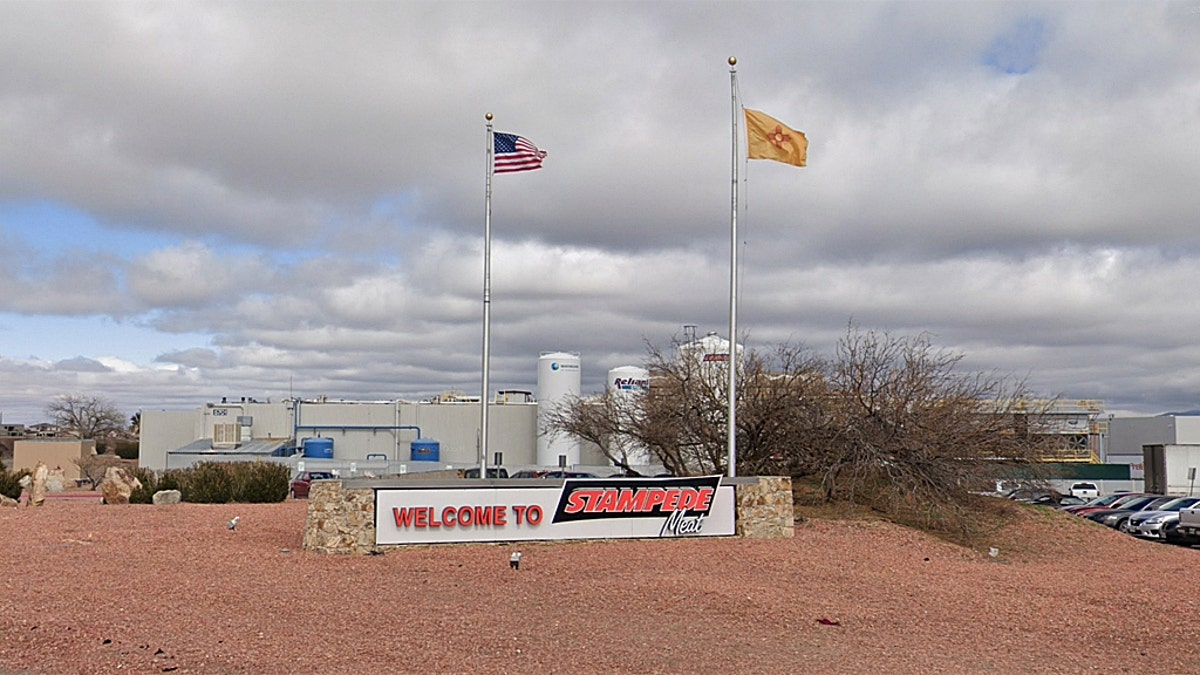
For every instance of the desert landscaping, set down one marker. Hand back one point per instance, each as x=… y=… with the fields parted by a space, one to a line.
x=92 y=588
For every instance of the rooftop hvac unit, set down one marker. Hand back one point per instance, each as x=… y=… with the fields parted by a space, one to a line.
x=227 y=435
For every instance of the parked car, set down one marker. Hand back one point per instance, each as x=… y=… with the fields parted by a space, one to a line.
x=1054 y=499
x=1032 y=494
x=1172 y=535
x=1100 y=502
x=1119 y=502
x=546 y=473
x=1084 y=491
x=492 y=472
x=1115 y=518
x=302 y=483
x=1150 y=523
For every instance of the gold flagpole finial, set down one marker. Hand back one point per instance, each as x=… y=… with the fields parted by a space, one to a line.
x=733 y=60
x=489 y=117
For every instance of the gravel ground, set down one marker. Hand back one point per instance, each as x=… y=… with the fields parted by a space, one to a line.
x=152 y=589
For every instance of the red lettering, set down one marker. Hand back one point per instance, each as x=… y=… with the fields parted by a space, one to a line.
x=608 y=501
x=533 y=514
x=704 y=499
x=480 y=516
x=466 y=515
x=520 y=511
x=689 y=498
x=423 y=517
x=672 y=500
x=582 y=500
x=625 y=502
x=575 y=502
x=500 y=517
x=403 y=516
x=657 y=496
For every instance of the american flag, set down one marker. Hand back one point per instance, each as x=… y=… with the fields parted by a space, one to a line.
x=516 y=153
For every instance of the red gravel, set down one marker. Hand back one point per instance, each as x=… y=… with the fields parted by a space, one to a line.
x=151 y=589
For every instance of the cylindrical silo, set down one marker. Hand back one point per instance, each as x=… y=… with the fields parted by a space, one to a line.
x=629 y=379
x=626 y=384
x=558 y=380
x=710 y=355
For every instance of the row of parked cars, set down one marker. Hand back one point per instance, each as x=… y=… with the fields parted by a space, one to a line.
x=1149 y=516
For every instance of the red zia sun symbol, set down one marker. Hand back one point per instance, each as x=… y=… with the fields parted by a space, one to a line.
x=778 y=138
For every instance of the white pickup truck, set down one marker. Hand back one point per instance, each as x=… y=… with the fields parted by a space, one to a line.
x=1084 y=491
x=1189 y=522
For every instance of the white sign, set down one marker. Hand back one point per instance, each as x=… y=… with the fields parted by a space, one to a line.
x=607 y=508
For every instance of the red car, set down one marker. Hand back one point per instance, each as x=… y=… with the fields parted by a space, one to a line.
x=302 y=483
x=1117 y=503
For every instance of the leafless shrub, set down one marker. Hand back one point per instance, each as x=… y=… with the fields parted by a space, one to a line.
x=93 y=467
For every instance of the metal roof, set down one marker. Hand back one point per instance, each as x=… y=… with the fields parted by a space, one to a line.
x=254 y=447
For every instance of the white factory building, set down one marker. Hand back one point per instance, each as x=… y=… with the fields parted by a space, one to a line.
x=386 y=437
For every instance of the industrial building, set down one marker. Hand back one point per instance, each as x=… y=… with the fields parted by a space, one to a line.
x=384 y=437
x=398 y=436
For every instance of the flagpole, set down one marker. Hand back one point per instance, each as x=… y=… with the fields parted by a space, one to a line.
x=731 y=431
x=487 y=301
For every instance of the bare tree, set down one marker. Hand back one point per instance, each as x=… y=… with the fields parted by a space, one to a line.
x=913 y=436
x=677 y=420
x=93 y=467
x=887 y=422
x=84 y=416
x=682 y=418
x=784 y=409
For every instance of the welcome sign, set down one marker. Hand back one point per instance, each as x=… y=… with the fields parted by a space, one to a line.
x=590 y=508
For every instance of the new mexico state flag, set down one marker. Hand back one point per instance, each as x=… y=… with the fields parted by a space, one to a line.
x=768 y=138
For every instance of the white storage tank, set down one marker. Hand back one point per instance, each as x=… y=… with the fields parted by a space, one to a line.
x=628 y=382
x=630 y=379
x=711 y=355
x=558 y=380
x=711 y=348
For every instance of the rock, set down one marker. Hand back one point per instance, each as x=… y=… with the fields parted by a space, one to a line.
x=167 y=497
x=37 y=490
x=5 y=500
x=118 y=485
x=56 y=480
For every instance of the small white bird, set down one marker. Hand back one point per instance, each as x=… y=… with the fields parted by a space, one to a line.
x=514 y=560
x=233 y=523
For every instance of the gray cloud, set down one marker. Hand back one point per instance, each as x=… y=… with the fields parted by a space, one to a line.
x=1014 y=178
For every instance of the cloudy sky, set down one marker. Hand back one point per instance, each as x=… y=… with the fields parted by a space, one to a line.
x=267 y=199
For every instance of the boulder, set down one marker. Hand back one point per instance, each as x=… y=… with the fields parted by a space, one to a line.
x=37 y=488
x=118 y=485
x=56 y=480
x=5 y=500
x=167 y=497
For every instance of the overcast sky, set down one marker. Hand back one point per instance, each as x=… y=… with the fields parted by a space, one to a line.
x=273 y=199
